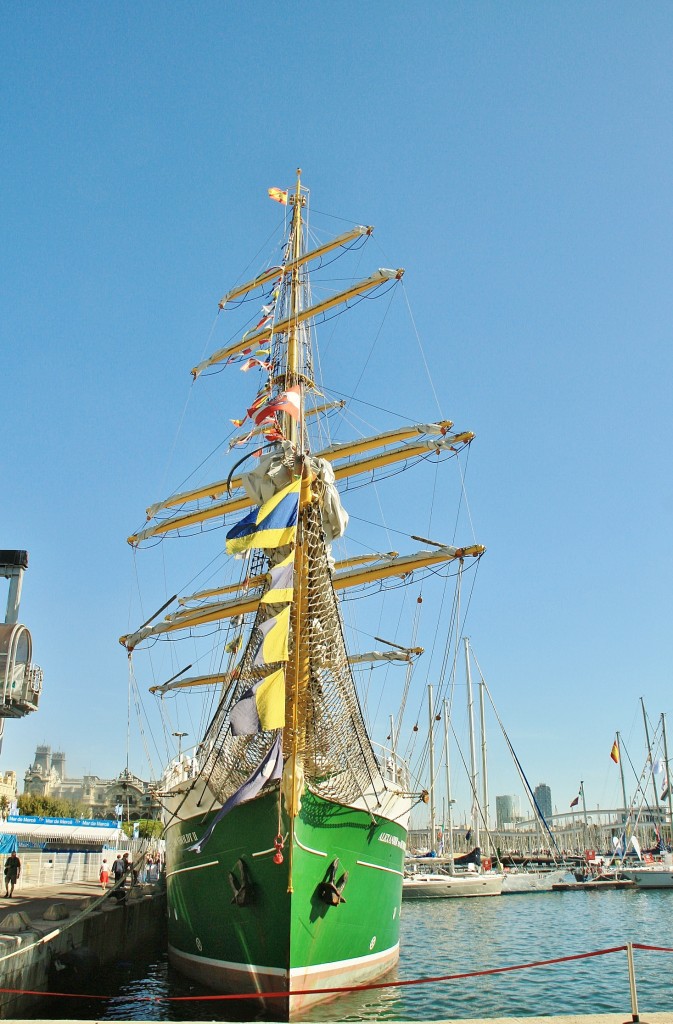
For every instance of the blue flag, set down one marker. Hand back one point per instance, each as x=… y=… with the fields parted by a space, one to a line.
x=271 y=767
x=270 y=526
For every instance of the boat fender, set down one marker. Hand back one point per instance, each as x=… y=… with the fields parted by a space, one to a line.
x=242 y=887
x=330 y=890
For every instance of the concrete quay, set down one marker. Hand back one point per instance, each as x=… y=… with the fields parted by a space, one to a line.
x=52 y=936
x=584 y=1018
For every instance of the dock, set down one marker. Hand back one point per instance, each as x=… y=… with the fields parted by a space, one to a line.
x=51 y=935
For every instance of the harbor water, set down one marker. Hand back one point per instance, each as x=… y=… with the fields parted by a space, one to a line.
x=454 y=936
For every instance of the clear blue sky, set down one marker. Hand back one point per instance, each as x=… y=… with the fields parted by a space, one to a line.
x=516 y=158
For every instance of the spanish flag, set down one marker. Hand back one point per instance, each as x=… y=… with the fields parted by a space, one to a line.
x=273 y=645
x=271 y=526
x=279 y=195
x=614 y=753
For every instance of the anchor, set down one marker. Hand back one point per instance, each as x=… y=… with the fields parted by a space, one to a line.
x=330 y=890
x=242 y=887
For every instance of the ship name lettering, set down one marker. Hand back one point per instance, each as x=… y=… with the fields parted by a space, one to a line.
x=386 y=837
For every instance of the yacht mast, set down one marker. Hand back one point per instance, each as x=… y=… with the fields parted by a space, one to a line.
x=484 y=779
x=621 y=775
x=668 y=780
x=449 y=801
x=431 y=741
x=473 y=754
x=585 y=832
x=649 y=756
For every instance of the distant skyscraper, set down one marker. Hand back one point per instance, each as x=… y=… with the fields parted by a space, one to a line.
x=542 y=795
x=506 y=810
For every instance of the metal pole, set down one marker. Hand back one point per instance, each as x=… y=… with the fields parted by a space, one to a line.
x=649 y=756
x=586 y=823
x=431 y=739
x=635 y=1017
x=484 y=780
x=393 y=746
x=449 y=801
x=668 y=780
x=621 y=773
x=473 y=755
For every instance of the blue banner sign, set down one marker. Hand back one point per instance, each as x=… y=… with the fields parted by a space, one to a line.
x=88 y=822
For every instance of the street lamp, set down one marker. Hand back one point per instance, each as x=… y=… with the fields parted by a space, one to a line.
x=180 y=737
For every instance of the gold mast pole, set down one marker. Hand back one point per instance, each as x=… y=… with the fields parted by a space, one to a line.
x=294 y=430
x=299 y=666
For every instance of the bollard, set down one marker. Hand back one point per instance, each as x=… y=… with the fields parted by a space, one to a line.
x=635 y=1016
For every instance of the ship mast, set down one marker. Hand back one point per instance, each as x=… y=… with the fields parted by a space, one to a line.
x=294 y=430
x=298 y=667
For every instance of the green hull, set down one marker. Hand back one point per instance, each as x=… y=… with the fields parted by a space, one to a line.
x=267 y=939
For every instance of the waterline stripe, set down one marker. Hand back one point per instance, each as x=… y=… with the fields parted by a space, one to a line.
x=228 y=965
x=337 y=965
x=333 y=965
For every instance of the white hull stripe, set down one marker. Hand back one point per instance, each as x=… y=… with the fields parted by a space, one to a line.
x=318 y=853
x=294 y=972
x=197 y=867
x=379 y=867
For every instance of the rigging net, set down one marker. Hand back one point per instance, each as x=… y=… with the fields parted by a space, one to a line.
x=328 y=730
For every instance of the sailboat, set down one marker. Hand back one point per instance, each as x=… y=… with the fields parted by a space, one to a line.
x=436 y=878
x=516 y=880
x=656 y=868
x=285 y=827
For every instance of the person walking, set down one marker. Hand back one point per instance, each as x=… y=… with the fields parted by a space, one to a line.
x=104 y=874
x=118 y=869
x=12 y=872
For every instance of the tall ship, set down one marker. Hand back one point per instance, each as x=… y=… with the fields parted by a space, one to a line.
x=285 y=824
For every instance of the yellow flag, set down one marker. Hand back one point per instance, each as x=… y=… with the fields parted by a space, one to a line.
x=270 y=700
x=274 y=645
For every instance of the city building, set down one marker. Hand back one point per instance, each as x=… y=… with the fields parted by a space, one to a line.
x=507 y=810
x=7 y=794
x=100 y=798
x=542 y=794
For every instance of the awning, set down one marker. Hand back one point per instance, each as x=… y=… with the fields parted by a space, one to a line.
x=47 y=836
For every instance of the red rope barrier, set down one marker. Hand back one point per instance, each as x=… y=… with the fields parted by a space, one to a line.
x=223 y=997
x=657 y=949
